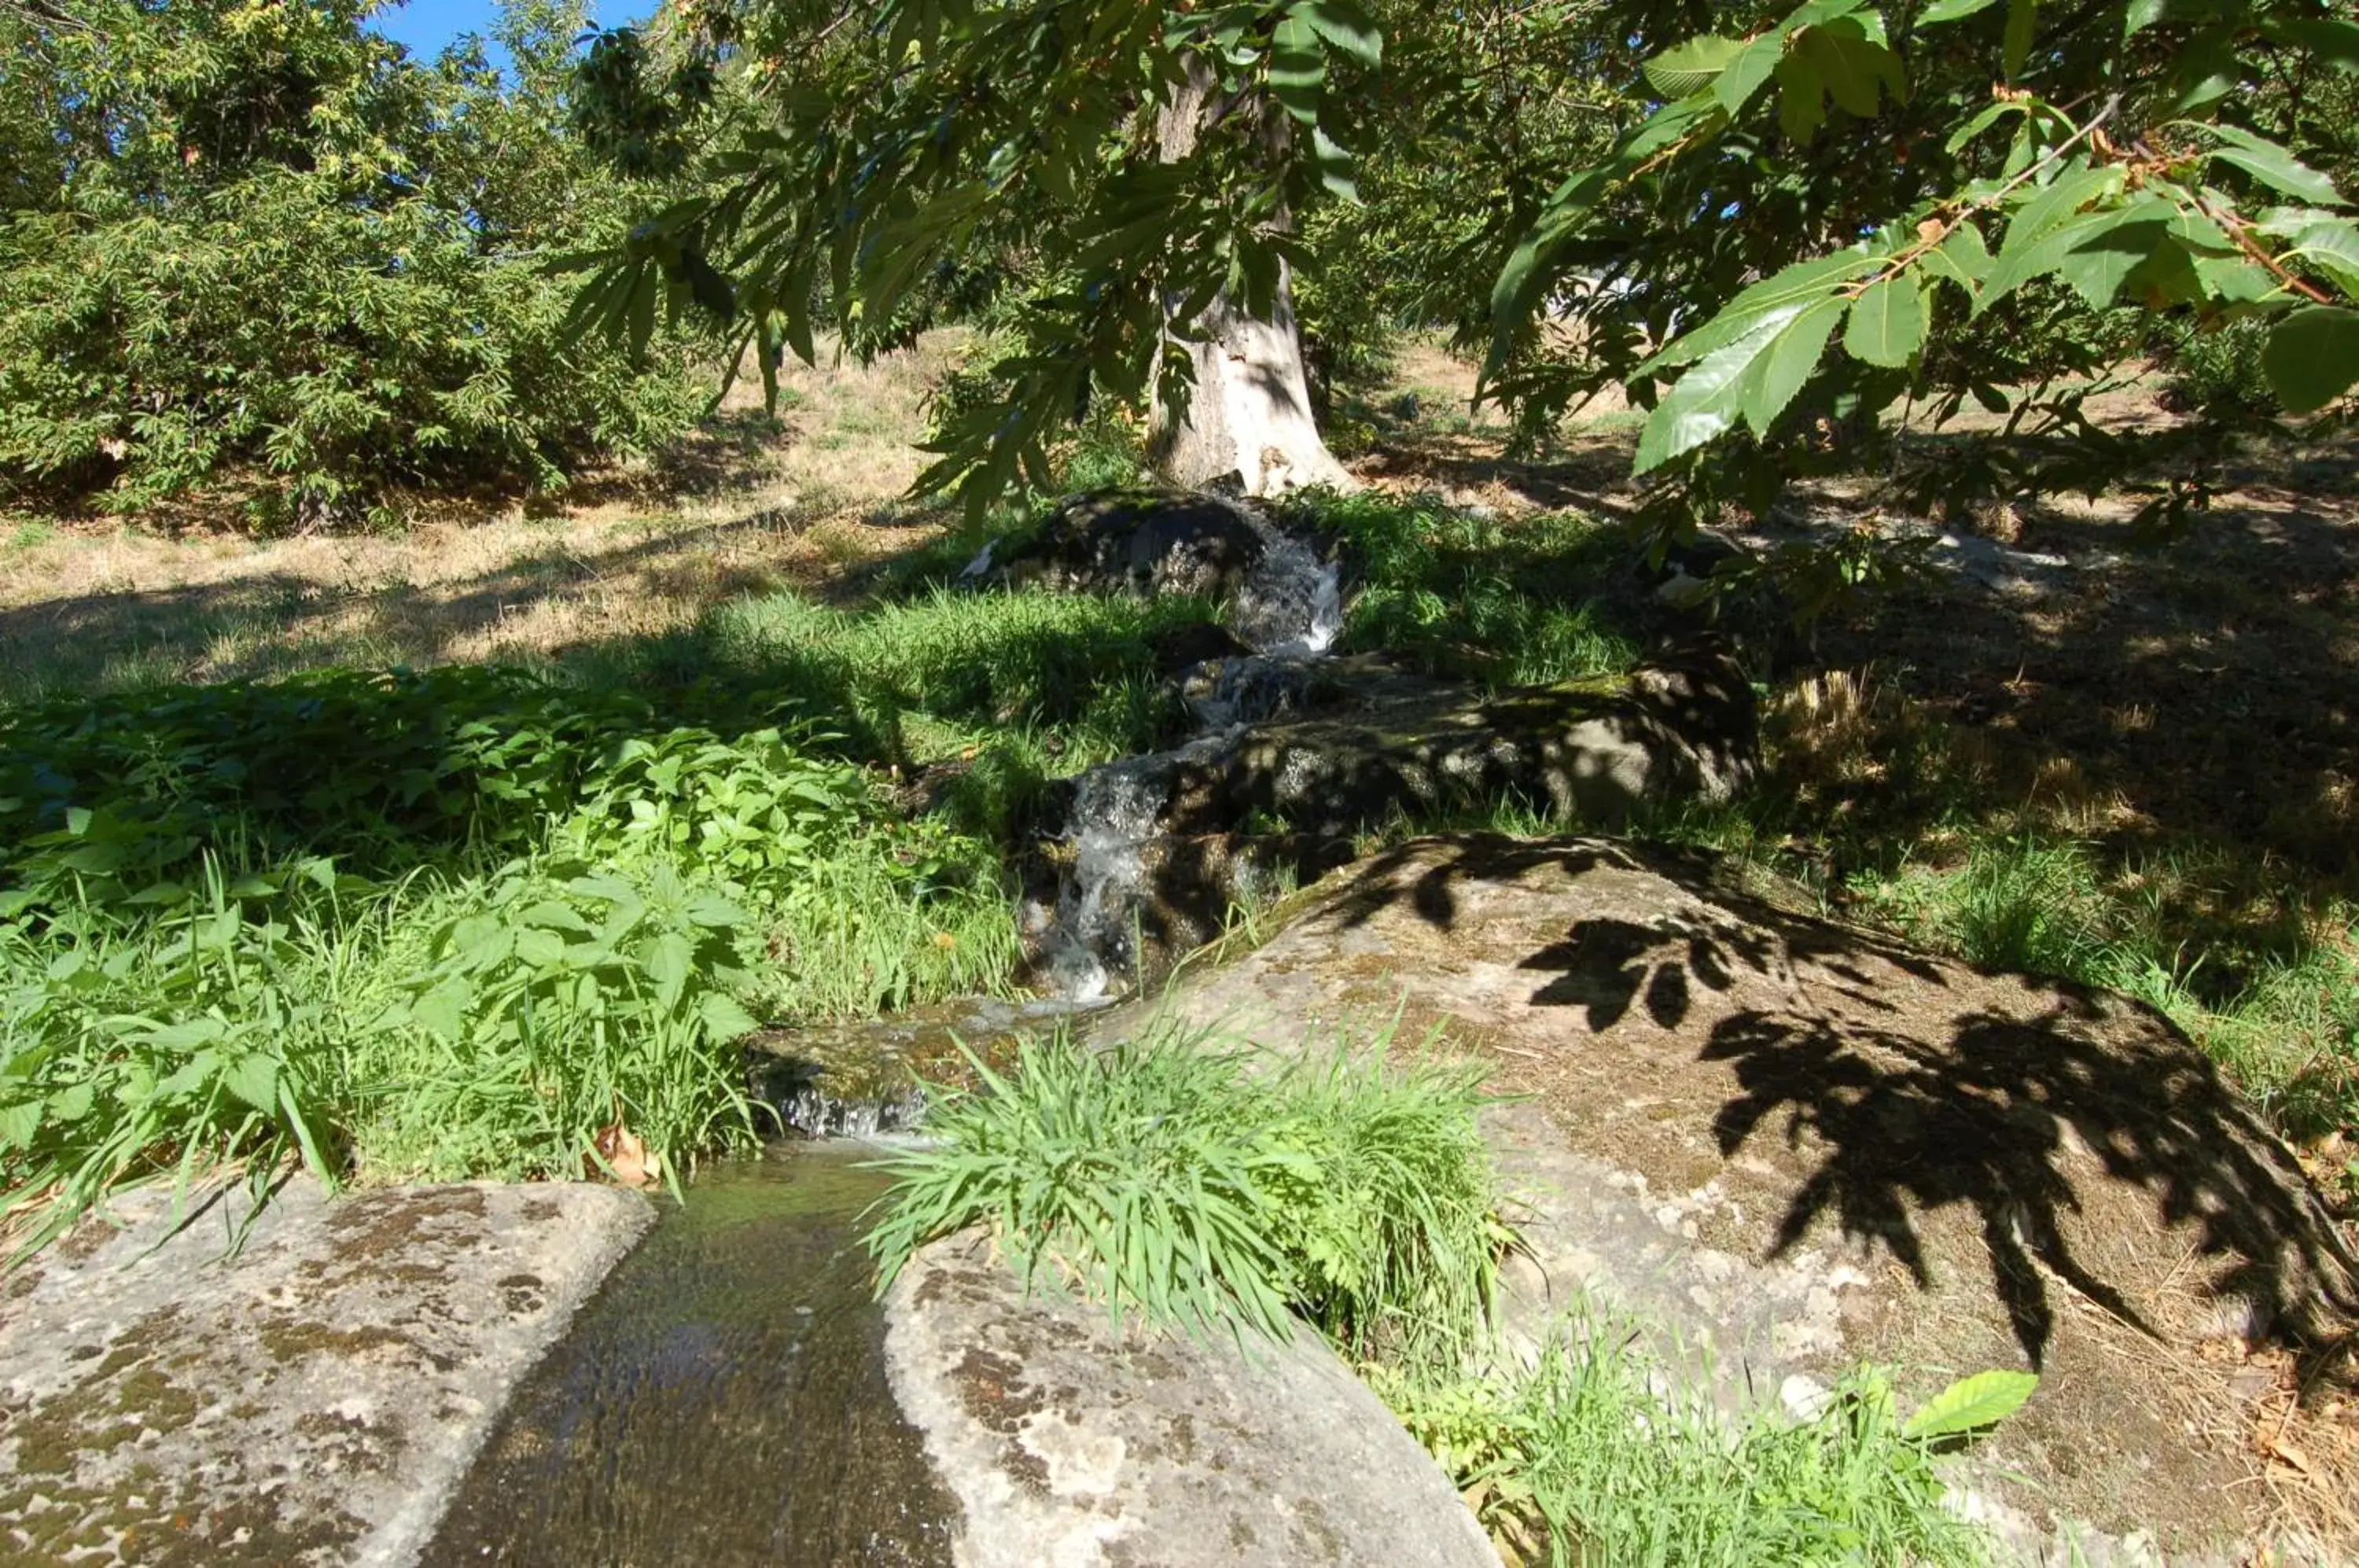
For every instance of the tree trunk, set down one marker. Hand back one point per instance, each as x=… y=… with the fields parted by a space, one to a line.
x=1250 y=414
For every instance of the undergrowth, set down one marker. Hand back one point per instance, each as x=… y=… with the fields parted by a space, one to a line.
x=1188 y=1180
x=445 y=925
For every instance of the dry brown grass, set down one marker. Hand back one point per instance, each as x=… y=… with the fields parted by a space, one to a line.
x=749 y=505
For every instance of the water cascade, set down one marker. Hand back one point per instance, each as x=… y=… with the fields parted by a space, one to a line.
x=1290 y=610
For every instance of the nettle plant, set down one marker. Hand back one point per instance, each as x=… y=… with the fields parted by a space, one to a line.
x=1952 y=190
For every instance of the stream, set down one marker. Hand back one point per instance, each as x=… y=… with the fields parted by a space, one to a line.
x=1291 y=611
x=724 y=1399
x=721 y=1401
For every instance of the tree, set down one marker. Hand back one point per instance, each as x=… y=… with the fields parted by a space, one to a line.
x=1900 y=179
x=257 y=243
x=1155 y=161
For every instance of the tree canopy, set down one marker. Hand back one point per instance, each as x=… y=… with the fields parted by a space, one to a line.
x=1764 y=221
x=1826 y=210
x=255 y=243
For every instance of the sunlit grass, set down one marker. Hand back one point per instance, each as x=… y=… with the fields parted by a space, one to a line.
x=1586 y=1456
x=1189 y=1180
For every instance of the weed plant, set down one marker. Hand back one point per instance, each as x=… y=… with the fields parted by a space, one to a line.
x=558 y=925
x=1582 y=1458
x=1190 y=1180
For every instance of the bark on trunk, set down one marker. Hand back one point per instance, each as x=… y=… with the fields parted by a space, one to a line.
x=1250 y=414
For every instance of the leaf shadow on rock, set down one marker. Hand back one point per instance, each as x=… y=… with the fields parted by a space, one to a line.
x=1891 y=1112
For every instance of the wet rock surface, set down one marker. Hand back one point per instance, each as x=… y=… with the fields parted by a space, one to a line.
x=1681 y=729
x=1152 y=853
x=1790 y=1145
x=312 y=1399
x=1071 y=1445
x=865 y=1076
x=1138 y=542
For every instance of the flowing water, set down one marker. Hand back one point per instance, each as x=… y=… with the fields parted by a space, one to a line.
x=721 y=1401
x=1291 y=611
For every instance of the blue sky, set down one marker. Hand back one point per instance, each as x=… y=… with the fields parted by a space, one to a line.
x=426 y=25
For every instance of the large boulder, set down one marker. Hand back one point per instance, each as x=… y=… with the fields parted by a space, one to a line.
x=1791 y=1146
x=309 y=1395
x=1071 y=1445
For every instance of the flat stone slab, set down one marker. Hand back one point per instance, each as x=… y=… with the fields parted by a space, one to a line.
x=313 y=1399
x=1072 y=1447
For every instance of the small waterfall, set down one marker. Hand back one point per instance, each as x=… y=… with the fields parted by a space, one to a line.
x=1292 y=602
x=1290 y=609
x=1117 y=814
x=812 y=1113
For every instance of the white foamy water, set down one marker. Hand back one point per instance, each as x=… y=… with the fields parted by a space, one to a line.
x=1117 y=813
x=1291 y=611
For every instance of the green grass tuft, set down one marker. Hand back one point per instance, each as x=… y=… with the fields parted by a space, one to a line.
x=1478 y=598
x=1580 y=1459
x=1191 y=1181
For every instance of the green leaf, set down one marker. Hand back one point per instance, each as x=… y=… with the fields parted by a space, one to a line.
x=2322 y=240
x=537 y=947
x=2334 y=42
x=2046 y=229
x=1941 y=11
x=1333 y=164
x=668 y=959
x=1801 y=98
x=2022 y=24
x=1983 y=121
x=1298 y=69
x=254 y=1079
x=2168 y=275
x=18 y=1123
x=713 y=912
x=1345 y=27
x=2274 y=167
x=442 y=1012
x=1785 y=365
x=193 y=1035
x=1689 y=66
x=1854 y=67
x=1888 y=322
x=1795 y=286
x=1751 y=68
x=724 y=1019
x=1707 y=400
x=2095 y=264
x=2060 y=199
x=1962 y=257
x=1970 y=1404
x=2312 y=357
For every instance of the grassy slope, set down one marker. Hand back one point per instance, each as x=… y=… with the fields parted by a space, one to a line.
x=755 y=567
